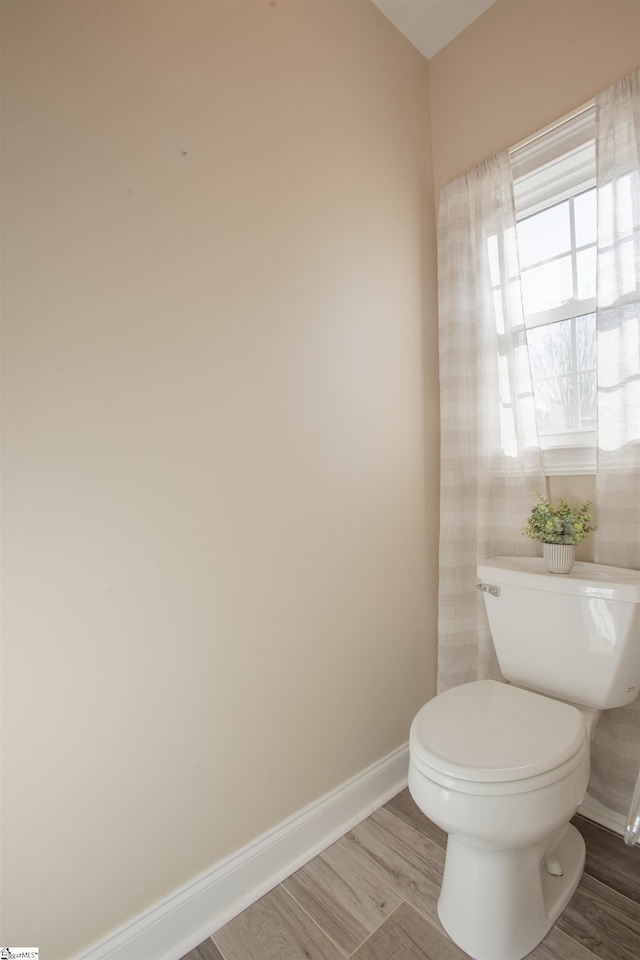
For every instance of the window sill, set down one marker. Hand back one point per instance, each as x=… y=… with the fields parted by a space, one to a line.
x=562 y=457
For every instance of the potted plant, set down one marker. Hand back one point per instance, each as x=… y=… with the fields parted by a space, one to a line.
x=558 y=529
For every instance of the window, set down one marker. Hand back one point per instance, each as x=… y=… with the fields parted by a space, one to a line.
x=555 y=199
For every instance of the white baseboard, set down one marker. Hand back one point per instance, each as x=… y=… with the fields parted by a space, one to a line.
x=596 y=811
x=177 y=924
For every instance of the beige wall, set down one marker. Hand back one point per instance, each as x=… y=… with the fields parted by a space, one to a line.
x=215 y=538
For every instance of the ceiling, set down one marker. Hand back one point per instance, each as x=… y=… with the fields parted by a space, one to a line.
x=431 y=24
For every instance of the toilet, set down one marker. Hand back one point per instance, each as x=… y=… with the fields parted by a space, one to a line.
x=503 y=766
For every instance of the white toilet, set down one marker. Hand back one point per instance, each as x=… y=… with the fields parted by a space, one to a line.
x=503 y=769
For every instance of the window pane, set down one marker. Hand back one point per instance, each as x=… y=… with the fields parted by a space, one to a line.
x=547 y=286
x=550 y=354
x=586 y=261
x=586 y=341
x=587 y=393
x=550 y=349
x=554 y=404
x=544 y=235
x=561 y=362
x=585 y=212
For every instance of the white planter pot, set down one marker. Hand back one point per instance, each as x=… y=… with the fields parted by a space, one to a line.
x=559 y=557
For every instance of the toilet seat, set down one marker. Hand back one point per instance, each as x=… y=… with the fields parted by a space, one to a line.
x=488 y=738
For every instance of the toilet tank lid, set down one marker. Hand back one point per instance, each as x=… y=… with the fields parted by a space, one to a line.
x=585 y=579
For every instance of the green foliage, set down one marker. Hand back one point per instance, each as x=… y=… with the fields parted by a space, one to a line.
x=563 y=524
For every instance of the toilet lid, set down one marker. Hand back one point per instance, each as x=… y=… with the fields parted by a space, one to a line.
x=493 y=732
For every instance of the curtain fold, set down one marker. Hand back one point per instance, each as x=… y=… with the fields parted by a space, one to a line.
x=491 y=459
x=616 y=747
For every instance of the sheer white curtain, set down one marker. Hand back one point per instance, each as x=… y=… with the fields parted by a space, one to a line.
x=491 y=460
x=616 y=749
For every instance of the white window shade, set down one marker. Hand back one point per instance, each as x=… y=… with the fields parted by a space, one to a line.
x=571 y=131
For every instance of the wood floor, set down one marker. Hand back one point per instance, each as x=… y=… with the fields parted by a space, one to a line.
x=372 y=896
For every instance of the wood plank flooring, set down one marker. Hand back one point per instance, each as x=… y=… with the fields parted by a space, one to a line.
x=372 y=896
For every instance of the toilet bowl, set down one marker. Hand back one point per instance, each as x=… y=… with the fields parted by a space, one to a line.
x=502 y=770
x=503 y=766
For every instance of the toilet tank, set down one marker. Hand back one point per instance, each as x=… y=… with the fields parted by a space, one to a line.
x=574 y=636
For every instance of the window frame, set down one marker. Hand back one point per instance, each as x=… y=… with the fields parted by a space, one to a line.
x=554 y=165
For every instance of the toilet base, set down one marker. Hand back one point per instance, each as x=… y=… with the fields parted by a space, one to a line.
x=499 y=904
